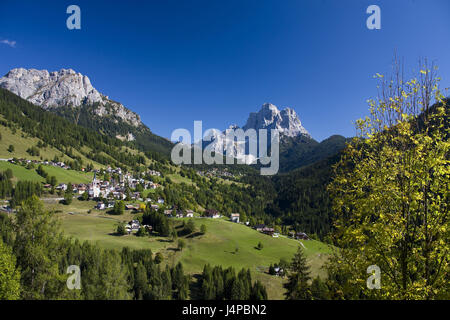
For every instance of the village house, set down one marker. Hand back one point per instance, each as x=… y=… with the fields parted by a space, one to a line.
x=100 y=206
x=104 y=184
x=189 y=213
x=153 y=185
x=259 y=227
x=211 y=213
x=154 y=173
x=81 y=188
x=301 y=236
x=131 y=207
x=235 y=217
x=278 y=271
x=179 y=214
x=268 y=231
x=135 y=224
x=298 y=235
x=62 y=186
x=136 y=195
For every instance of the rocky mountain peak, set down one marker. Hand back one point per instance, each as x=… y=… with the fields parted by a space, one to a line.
x=62 y=88
x=268 y=117
x=285 y=121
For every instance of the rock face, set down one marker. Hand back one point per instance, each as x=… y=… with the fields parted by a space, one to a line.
x=285 y=121
x=63 y=88
x=269 y=117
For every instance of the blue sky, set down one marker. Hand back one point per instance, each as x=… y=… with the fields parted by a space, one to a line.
x=174 y=62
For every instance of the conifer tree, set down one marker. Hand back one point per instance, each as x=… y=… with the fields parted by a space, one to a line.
x=297 y=287
x=140 y=282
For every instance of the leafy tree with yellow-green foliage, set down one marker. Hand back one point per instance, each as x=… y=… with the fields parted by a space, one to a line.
x=9 y=274
x=391 y=194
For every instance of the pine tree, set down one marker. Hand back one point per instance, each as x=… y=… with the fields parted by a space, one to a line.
x=105 y=277
x=68 y=195
x=166 y=279
x=236 y=289
x=140 y=282
x=258 y=292
x=271 y=270
x=180 y=282
x=218 y=283
x=181 y=244
x=297 y=286
x=319 y=290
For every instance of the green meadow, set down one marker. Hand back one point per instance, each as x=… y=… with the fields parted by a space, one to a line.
x=22 y=141
x=65 y=176
x=225 y=243
x=62 y=175
x=21 y=173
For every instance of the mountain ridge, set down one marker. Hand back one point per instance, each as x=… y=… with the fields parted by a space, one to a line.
x=71 y=95
x=65 y=87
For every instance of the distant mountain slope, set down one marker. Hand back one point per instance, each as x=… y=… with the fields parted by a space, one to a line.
x=110 y=125
x=71 y=95
x=296 y=152
x=302 y=199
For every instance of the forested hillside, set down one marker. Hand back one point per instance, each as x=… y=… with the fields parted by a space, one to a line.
x=62 y=134
x=143 y=138
x=297 y=152
x=302 y=199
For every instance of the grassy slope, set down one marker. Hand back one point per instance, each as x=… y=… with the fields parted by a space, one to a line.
x=62 y=175
x=176 y=178
x=65 y=176
x=21 y=173
x=98 y=226
x=22 y=142
x=217 y=247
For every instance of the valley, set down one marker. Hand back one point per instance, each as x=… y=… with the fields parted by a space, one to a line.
x=203 y=158
x=195 y=188
x=104 y=189
x=109 y=171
